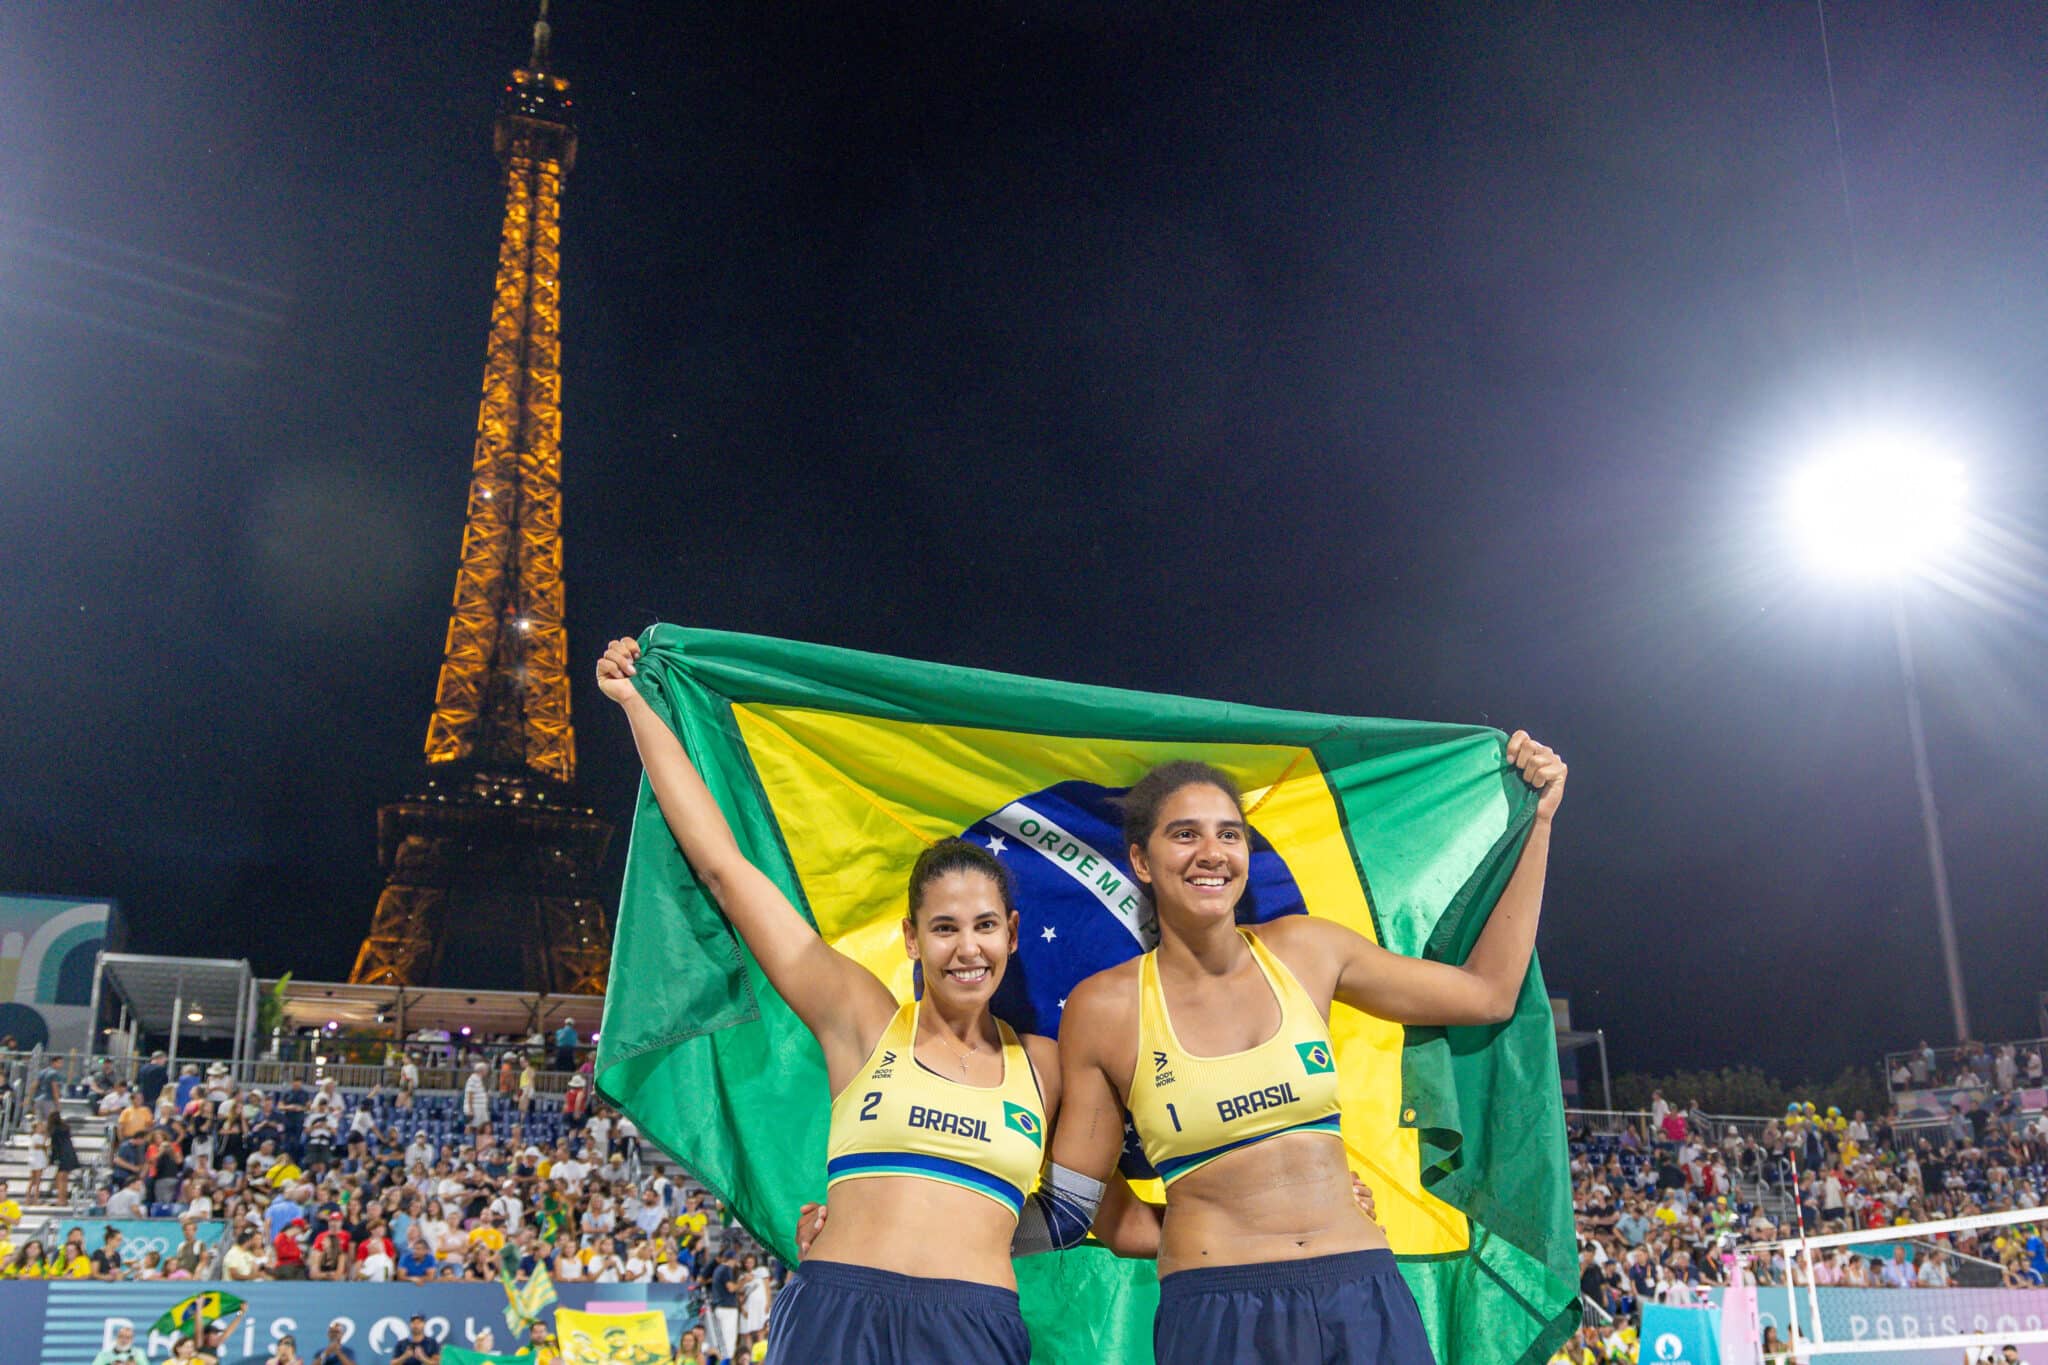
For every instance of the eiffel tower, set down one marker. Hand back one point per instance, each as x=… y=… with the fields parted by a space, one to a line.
x=492 y=866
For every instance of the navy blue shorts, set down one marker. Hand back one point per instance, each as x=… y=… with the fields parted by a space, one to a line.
x=854 y=1315
x=1353 y=1309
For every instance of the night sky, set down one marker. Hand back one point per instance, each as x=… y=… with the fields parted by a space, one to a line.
x=1436 y=362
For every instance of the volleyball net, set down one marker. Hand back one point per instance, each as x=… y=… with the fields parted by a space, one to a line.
x=1952 y=1290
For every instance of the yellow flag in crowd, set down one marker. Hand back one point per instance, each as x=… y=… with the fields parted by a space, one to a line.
x=612 y=1338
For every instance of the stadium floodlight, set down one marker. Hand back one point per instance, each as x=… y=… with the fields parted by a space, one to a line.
x=1879 y=503
x=1889 y=503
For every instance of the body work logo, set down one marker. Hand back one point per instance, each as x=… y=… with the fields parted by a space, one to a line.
x=883 y=1072
x=1160 y=1075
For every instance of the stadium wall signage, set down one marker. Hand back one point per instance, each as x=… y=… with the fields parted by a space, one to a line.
x=64 y=1322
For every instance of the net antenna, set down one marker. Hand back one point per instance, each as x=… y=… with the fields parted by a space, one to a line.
x=1973 y=1319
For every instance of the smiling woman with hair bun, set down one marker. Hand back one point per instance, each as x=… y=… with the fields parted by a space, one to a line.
x=939 y=1110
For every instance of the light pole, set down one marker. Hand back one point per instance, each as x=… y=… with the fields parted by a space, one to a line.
x=1883 y=505
x=1930 y=823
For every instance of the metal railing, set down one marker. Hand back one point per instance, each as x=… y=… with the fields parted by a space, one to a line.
x=1938 y=1068
x=20 y=1069
x=1615 y=1121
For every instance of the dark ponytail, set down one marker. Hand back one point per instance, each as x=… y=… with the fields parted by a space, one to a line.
x=1143 y=802
x=957 y=855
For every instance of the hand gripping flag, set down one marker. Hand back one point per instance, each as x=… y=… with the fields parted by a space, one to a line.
x=837 y=768
x=187 y=1316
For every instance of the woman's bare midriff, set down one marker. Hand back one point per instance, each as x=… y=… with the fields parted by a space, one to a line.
x=918 y=1227
x=1285 y=1199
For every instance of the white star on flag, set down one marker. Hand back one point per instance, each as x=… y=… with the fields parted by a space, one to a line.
x=996 y=844
x=1048 y=933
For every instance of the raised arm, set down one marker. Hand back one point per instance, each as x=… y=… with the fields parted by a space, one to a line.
x=839 y=1000
x=1410 y=990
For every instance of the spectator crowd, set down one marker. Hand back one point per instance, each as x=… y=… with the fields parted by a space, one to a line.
x=1658 y=1203
x=312 y=1182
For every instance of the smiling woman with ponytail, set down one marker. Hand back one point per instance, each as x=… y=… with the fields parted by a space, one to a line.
x=939 y=1111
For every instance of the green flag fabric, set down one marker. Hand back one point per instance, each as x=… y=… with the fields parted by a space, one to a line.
x=462 y=1355
x=836 y=768
x=187 y=1316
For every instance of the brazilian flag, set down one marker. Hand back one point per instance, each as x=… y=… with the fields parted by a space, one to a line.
x=837 y=768
x=187 y=1316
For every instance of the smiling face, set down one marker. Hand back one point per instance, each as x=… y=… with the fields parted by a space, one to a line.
x=962 y=933
x=1197 y=857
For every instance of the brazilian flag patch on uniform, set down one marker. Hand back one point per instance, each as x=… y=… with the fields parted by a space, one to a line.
x=1316 y=1058
x=1022 y=1120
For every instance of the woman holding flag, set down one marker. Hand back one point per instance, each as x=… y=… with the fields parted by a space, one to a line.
x=1217 y=1044
x=939 y=1110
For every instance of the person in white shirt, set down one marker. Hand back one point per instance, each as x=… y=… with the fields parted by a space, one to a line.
x=115 y=1100
x=599 y=1132
x=571 y=1172
x=568 y=1266
x=650 y=1214
x=753 y=1297
x=476 y=1100
x=420 y=1152
x=509 y=1204
x=638 y=1267
x=626 y=1140
x=376 y=1267
x=126 y=1202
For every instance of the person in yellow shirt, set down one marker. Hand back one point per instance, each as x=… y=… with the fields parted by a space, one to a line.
x=540 y=1346
x=26 y=1263
x=70 y=1261
x=10 y=1208
x=490 y=1232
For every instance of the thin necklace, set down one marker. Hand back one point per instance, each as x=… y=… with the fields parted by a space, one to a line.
x=962 y=1055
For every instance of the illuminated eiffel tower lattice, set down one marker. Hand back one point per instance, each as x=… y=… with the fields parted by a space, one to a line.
x=492 y=868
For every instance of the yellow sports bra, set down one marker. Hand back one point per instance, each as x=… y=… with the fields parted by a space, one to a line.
x=1190 y=1110
x=896 y=1117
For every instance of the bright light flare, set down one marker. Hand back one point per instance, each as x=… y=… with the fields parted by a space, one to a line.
x=1879 y=505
